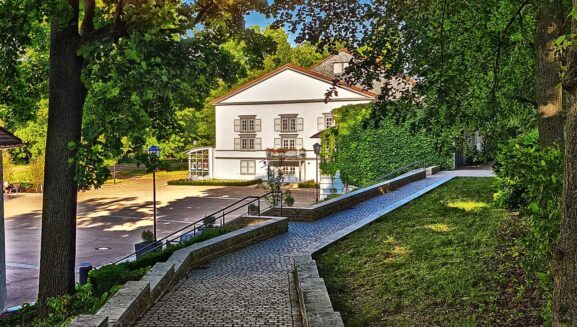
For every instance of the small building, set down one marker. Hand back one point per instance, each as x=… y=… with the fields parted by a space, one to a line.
x=274 y=117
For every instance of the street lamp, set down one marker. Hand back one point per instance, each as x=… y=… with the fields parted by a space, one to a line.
x=317 y=150
x=154 y=151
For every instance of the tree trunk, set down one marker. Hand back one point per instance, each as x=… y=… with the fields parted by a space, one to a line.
x=66 y=95
x=565 y=265
x=547 y=73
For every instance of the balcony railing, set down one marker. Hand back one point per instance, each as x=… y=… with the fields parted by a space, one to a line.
x=286 y=153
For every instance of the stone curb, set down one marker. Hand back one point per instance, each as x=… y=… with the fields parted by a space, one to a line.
x=349 y=200
x=314 y=301
x=136 y=297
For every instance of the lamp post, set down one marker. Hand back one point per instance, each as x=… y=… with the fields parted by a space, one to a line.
x=317 y=149
x=154 y=151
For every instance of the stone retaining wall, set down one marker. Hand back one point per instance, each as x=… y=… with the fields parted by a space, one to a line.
x=314 y=302
x=346 y=201
x=134 y=298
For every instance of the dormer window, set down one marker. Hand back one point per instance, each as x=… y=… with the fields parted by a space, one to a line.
x=339 y=67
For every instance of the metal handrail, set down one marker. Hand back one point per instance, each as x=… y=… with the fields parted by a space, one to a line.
x=221 y=212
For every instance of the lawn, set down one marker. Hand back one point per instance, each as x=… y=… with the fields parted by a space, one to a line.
x=446 y=259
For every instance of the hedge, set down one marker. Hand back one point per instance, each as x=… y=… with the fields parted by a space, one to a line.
x=367 y=152
x=105 y=278
x=215 y=182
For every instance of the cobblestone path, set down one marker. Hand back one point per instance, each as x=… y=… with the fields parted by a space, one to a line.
x=253 y=286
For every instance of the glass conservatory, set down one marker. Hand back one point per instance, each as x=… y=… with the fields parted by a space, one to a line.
x=199 y=163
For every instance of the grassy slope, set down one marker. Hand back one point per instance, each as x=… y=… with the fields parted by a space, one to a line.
x=447 y=259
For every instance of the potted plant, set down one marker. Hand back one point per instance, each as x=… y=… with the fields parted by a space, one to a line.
x=253 y=210
x=148 y=245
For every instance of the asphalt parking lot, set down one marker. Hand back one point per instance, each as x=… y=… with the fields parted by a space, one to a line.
x=110 y=220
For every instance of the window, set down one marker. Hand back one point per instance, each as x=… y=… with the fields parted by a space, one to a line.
x=289 y=144
x=247 y=125
x=247 y=167
x=247 y=143
x=289 y=124
x=339 y=67
x=329 y=122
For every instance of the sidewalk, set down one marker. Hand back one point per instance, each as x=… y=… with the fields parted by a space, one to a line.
x=252 y=287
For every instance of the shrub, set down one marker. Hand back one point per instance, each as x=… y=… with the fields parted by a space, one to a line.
x=530 y=178
x=106 y=277
x=63 y=309
x=289 y=200
x=253 y=209
x=209 y=221
x=147 y=236
x=215 y=182
x=307 y=184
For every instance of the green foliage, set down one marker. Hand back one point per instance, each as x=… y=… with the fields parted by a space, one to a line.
x=530 y=179
x=63 y=309
x=366 y=153
x=275 y=182
x=105 y=278
x=147 y=236
x=446 y=259
x=215 y=182
x=473 y=59
x=307 y=184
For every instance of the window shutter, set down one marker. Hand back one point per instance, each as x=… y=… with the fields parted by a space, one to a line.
x=277 y=143
x=257 y=125
x=237 y=125
x=257 y=144
x=299 y=144
x=277 y=124
x=321 y=123
x=237 y=144
x=300 y=124
x=252 y=167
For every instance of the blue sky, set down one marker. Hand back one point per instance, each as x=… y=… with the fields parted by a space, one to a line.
x=259 y=19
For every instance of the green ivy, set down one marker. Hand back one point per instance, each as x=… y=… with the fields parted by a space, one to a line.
x=363 y=152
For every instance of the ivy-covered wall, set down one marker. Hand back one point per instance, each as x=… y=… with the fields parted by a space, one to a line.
x=364 y=152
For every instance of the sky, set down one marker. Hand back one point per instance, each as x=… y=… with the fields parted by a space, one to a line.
x=259 y=19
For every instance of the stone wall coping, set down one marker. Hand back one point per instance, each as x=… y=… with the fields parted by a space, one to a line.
x=365 y=189
x=135 y=297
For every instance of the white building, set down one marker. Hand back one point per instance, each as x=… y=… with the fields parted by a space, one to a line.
x=279 y=110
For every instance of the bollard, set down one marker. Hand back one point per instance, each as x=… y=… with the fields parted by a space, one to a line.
x=83 y=270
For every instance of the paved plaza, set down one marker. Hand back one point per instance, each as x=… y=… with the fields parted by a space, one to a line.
x=253 y=287
x=111 y=218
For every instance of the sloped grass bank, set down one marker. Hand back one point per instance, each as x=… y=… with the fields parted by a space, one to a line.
x=446 y=259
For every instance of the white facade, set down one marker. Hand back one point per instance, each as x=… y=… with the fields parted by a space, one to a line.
x=282 y=109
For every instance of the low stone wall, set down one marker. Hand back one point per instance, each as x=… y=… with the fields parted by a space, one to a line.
x=315 y=305
x=432 y=170
x=134 y=298
x=346 y=201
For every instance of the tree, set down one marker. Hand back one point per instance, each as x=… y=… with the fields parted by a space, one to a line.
x=549 y=93
x=565 y=260
x=108 y=61
x=464 y=57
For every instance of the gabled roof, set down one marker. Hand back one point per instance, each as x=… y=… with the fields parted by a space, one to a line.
x=8 y=140
x=295 y=68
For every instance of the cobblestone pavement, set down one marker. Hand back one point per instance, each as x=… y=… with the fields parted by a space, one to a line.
x=252 y=287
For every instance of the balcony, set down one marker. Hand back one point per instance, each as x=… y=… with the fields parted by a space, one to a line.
x=286 y=153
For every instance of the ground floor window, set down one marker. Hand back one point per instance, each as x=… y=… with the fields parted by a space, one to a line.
x=247 y=167
x=198 y=163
